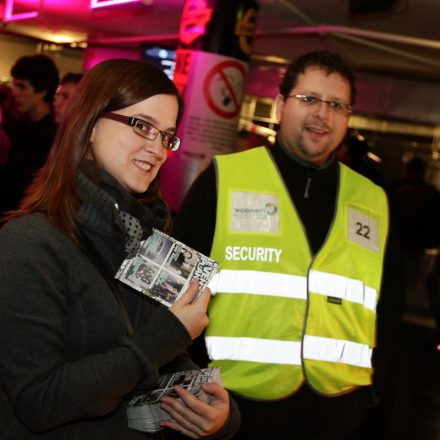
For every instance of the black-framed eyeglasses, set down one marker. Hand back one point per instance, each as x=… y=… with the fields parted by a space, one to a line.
x=147 y=130
x=312 y=101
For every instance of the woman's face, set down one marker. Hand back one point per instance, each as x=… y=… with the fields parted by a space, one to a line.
x=131 y=159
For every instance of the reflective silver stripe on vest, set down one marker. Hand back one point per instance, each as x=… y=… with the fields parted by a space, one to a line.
x=294 y=286
x=259 y=283
x=268 y=351
x=338 y=286
x=265 y=351
x=337 y=350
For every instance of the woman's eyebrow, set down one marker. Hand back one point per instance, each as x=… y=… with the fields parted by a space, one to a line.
x=153 y=121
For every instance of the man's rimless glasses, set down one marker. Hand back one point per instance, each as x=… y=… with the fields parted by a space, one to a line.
x=313 y=101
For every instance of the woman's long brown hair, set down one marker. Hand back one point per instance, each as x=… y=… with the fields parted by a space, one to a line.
x=107 y=87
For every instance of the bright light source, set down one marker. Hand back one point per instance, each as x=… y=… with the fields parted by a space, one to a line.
x=374 y=157
x=61 y=38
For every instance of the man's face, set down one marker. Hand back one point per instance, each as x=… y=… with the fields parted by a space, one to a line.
x=313 y=132
x=26 y=99
x=62 y=97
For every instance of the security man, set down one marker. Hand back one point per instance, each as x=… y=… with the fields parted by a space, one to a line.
x=301 y=240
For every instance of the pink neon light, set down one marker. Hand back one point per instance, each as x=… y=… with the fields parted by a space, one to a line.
x=100 y=4
x=9 y=16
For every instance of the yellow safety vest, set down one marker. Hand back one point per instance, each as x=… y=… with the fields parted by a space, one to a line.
x=281 y=316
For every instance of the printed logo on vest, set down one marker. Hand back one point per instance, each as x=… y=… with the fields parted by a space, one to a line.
x=254 y=212
x=363 y=229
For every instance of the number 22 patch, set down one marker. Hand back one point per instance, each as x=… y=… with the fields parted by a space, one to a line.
x=363 y=230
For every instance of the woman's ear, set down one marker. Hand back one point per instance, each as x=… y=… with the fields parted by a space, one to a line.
x=92 y=136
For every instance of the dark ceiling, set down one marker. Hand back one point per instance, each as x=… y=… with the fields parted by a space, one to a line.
x=402 y=40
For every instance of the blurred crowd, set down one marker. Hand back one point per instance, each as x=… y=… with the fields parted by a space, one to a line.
x=31 y=108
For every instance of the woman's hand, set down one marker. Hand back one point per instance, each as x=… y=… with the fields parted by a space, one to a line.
x=193 y=417
x=192 y=312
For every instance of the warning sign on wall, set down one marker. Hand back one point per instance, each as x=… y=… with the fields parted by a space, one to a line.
x=213 y=100
x=213 y=96
x=223 y=88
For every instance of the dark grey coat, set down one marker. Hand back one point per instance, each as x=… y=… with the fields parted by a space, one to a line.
x=67 y=366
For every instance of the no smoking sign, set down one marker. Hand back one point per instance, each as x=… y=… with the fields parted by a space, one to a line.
x=223 y=88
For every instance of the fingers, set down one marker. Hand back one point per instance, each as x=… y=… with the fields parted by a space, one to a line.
x=194 y=417
x=187 y=421
x=203 y=298
x=189 y=294
x=188 y=401
x=217 y=392
x=192 y=312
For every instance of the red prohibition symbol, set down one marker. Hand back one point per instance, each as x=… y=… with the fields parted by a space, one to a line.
x=217 y=78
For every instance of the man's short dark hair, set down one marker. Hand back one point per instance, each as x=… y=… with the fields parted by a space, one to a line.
x=327 y=61
x=71 y=78
x=40 y=71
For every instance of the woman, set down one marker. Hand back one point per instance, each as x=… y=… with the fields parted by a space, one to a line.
x=75 y=344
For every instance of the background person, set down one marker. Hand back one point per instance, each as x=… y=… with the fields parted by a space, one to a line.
x=353 y=152
x=294 y=334
x=64 y=93
x=415 y=207
x=35 y=80
x=6 y=118
x=5 y=143
x=75 y=344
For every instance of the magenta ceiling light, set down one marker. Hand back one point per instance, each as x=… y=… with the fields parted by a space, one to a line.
x=9 y=15
x=102 y=3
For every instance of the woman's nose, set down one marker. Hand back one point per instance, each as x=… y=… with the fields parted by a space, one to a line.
x=155 y=148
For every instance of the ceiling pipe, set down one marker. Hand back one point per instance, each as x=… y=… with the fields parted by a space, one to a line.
x=392 y=50
x=332 y=29
x=359 y=36
x=300 y=30
x=134 y=39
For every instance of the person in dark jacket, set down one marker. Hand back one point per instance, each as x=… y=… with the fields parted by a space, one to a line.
x=285 y=321
x=34 y=82
x=75 y=343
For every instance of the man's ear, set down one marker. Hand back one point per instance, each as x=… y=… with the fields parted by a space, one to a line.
x=279 y=106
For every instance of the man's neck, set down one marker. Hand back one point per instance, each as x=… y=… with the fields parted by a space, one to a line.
x=304 y=163
x=40 y=111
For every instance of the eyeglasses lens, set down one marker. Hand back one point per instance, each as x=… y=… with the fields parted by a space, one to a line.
x=149 y=131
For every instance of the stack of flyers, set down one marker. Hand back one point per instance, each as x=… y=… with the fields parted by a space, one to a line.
x=164 y=267
x=144 y=412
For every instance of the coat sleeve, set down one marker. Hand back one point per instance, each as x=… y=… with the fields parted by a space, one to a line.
x=46 y=382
